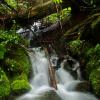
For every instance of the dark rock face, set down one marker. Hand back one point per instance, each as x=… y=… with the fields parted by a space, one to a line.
x=95 y=26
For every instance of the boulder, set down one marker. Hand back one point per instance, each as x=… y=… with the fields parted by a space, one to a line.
x=76 y=85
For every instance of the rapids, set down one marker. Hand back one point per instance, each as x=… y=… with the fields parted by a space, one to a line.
x=40 y=82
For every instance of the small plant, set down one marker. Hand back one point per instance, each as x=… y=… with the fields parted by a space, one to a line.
x=12 y=3
x=57 y=1
x=75 y=47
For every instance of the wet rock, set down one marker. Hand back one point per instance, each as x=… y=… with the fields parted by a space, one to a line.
x=76 y=85
x=48 y=95
x=83 y=86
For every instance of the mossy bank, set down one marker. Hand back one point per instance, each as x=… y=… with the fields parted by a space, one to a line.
x=14 y=65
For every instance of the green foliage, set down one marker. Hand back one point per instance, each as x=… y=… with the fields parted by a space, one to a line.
x=20 y=86
x=92 y=65
x=95 y=81
x=93 y=53
x=4 y=84
x=12 y=3
x=22 y=58
x=75 y=47
x=12 y=65
x=9 y=38
x=2 y=51
x=57 y=1
x=15 y=63
x=93 y=68
x=21 y=76
x=61 y=15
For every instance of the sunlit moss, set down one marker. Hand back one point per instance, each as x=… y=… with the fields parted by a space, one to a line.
x=20 y=86
x=4 y=84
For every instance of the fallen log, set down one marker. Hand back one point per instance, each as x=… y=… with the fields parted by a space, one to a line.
x=51 y=71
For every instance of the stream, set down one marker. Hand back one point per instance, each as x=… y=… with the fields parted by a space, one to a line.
x=40 y=81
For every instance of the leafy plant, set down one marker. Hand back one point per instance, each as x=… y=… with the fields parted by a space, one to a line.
x=57 y=1
x=12 y=3
x=75 y=47
x=62 y=14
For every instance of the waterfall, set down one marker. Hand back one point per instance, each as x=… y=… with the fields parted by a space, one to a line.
x=41 y=89
x=40 y=80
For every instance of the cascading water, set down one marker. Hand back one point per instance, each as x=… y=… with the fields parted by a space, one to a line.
x=40 y=82
x=41 y=89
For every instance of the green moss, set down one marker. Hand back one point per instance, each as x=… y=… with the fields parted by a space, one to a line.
x=12 y=65
x=20 y=86
x=4 y=84
x=75 y=46
x=95 y=81
x=22 y=58
x=15 y=64
x=92 y=65
x=17 y=60
x=93 y=53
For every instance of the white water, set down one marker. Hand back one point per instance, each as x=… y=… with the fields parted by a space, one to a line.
x=40 y=82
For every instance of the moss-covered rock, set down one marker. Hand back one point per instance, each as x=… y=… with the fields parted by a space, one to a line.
x=92 y=58
x=95 y=81
x=20 y=86
x=4 y=84
x=22 y=58
x=12 y=65
x=19 y=69
x=91 y=65
x=15 y=64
